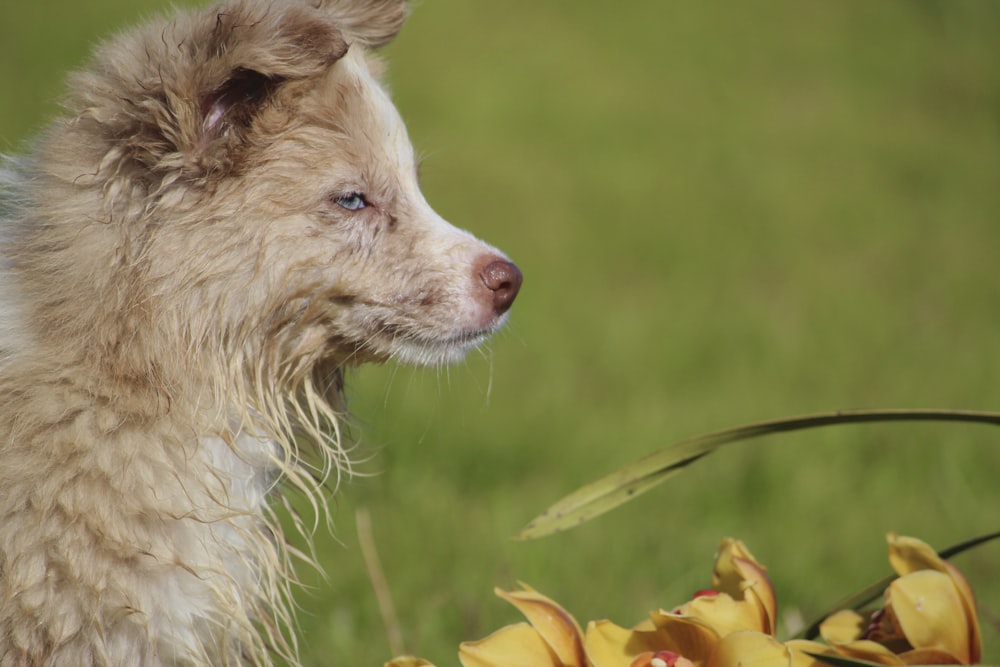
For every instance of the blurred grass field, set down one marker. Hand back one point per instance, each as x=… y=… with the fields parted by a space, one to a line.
x=725 y=212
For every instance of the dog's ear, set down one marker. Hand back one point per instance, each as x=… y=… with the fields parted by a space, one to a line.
x=253 y=48
x=181 y=97
x=373 y=23
x=239 y=62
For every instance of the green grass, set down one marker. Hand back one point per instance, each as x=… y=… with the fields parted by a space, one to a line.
x=724 y=212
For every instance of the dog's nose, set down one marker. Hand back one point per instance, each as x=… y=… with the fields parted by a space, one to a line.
x=503 y=279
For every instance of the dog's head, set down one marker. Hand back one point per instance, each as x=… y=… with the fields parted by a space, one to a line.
x=245 y=181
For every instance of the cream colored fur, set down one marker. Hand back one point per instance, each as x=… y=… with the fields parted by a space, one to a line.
x=225 y=218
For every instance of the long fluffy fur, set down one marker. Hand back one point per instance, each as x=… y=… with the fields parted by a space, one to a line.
x=184 y=279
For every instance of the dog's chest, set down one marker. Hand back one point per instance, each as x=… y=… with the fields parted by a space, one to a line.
x=225 y=545
x=246 y=469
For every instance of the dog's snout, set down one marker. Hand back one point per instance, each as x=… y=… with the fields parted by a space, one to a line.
x=503 y=279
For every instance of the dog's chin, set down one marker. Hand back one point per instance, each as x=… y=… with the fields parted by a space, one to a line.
x=438 y=351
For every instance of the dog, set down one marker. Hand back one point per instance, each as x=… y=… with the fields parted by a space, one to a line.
x=226 y=217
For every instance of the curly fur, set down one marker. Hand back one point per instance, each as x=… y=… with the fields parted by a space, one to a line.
x=225 y=218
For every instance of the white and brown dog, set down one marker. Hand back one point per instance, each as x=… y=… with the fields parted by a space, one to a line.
x=226 y=218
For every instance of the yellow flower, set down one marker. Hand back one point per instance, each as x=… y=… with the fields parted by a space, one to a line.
x=609 y=645
x=732 y=623
x=929 y=615
x=741 y=599
x=552 y=639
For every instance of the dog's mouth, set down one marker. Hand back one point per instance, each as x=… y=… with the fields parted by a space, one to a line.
x=429 y=350
x=403 y=330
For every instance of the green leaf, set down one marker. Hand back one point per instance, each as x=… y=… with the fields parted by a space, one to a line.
x=844 y=661
x=640 y=476
x=841 y=661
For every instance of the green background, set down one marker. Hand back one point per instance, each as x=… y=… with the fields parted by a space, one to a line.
x=724 y=212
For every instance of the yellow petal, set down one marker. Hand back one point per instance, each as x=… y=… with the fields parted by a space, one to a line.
x=610 y=645
x=843 y=626
x=870 y=651
x=926 y=656
x=553 y=623
x=738 y=574
x=931 y=613
x=800 y=649
x=726 y=576
x=691 y=637
x=750 y=649
x=908 y=554
x=724 y=614
x=969 y=605
x=518 y=644
x=843 y=630
x=757 y=589
x=408 y=661
x=645 y=625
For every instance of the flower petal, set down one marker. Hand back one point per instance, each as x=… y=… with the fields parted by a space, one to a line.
x=931 y=613
x=722 y=613
x=757 y=588
x=692 y=637
x=868 y=650
x=518 y=644
x=750 y=649
x=927 y=656
x=726 y=576
x=407 y=661
x=555 y=625
x=610 y=645
x=843 y=626
x=969 y=605
x=801 y=648
x=908 y=554
x=844 y=629
x=738 y=574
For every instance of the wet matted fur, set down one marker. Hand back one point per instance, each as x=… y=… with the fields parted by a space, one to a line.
x=226 y=216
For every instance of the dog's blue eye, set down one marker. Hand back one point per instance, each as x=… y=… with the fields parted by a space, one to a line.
x=352 y=201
